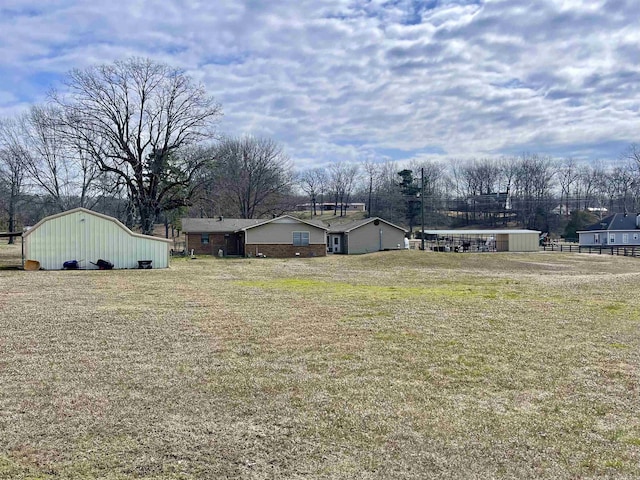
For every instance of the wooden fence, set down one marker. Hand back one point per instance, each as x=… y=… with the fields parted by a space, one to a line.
x=624 y=251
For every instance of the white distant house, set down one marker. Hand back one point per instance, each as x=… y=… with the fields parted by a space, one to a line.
x=329 y=206
x=87 y=237
x=561 y=210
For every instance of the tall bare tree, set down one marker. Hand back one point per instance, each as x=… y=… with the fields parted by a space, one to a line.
x=134 y=119
x=311 y=182
x=254 y=173
x=533 y=188
x=568 y=175
x=372 y=177
x=58 y=165
x=342 y=180
x=12 y=172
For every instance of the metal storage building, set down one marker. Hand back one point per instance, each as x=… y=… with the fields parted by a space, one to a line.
x=87 y=236
x=504 y=240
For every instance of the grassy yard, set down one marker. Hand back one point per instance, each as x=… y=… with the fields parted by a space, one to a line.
x=393 y=365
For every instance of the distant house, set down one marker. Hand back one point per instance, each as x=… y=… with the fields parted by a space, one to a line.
x=280 y=237
x=561 y=210
x=87 y=236
x=365 y=236
x=619 y=229
x=491 y=201
x=330 y=206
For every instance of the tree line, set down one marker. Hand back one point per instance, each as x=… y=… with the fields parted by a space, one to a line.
x=525 y=191
x=138 y=140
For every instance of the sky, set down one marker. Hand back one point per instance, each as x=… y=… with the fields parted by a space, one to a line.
x=356 y=80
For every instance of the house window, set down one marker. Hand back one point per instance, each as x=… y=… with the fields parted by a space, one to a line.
x=300 y=239
x=204 y=239
x=612 y=239
x=596 y=238
x=625 y=238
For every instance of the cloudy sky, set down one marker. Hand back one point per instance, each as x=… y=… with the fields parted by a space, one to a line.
x=363 y=79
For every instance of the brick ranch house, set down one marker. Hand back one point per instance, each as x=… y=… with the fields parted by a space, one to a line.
x=280 y=237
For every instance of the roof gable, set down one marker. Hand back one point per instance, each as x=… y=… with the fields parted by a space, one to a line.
x=287 y=219
x=349 y=226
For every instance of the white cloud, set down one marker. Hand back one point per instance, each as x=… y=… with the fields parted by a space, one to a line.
x=335 y=79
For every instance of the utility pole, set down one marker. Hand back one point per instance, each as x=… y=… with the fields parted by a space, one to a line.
x=422 y=206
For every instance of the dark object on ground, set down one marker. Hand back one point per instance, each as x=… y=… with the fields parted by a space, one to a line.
x=70 y=265
x=144 y=264
x=103 y=264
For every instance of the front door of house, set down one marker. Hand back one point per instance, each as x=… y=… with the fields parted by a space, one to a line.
x=336 y=244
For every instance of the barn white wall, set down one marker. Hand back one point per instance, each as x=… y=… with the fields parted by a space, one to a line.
x=524 y=242
x=86 y=236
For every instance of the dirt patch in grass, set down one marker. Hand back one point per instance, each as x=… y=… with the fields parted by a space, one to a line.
x=391 y=365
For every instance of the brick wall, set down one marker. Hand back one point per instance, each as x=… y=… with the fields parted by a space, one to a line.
x=285 y=251
x=194 y=242
x=217 y=241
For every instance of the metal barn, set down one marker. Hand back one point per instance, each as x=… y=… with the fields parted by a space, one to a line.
x=505 y=240
x=87 y=237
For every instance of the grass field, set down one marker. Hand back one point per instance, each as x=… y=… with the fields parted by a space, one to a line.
x=392 y=365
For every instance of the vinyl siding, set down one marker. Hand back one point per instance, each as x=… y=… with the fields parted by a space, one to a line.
x=282 y=233
x=366 y=238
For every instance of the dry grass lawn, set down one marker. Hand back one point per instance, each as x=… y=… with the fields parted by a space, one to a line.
x=392 y=365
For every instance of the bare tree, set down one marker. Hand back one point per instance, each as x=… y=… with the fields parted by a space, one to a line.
x=371 y=172
x=254 y=173
x=311 y=182
x=621 y=180
x=58 y=165
x=532 y=190
x=134 y=119
x=12 y=172
x=342 y=179
x=568 y=175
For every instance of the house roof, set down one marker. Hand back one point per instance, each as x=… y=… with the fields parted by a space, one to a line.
x=313 y=223
x=349 y=226
x=216 y=225
x=230 y=225
x=617 y=221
